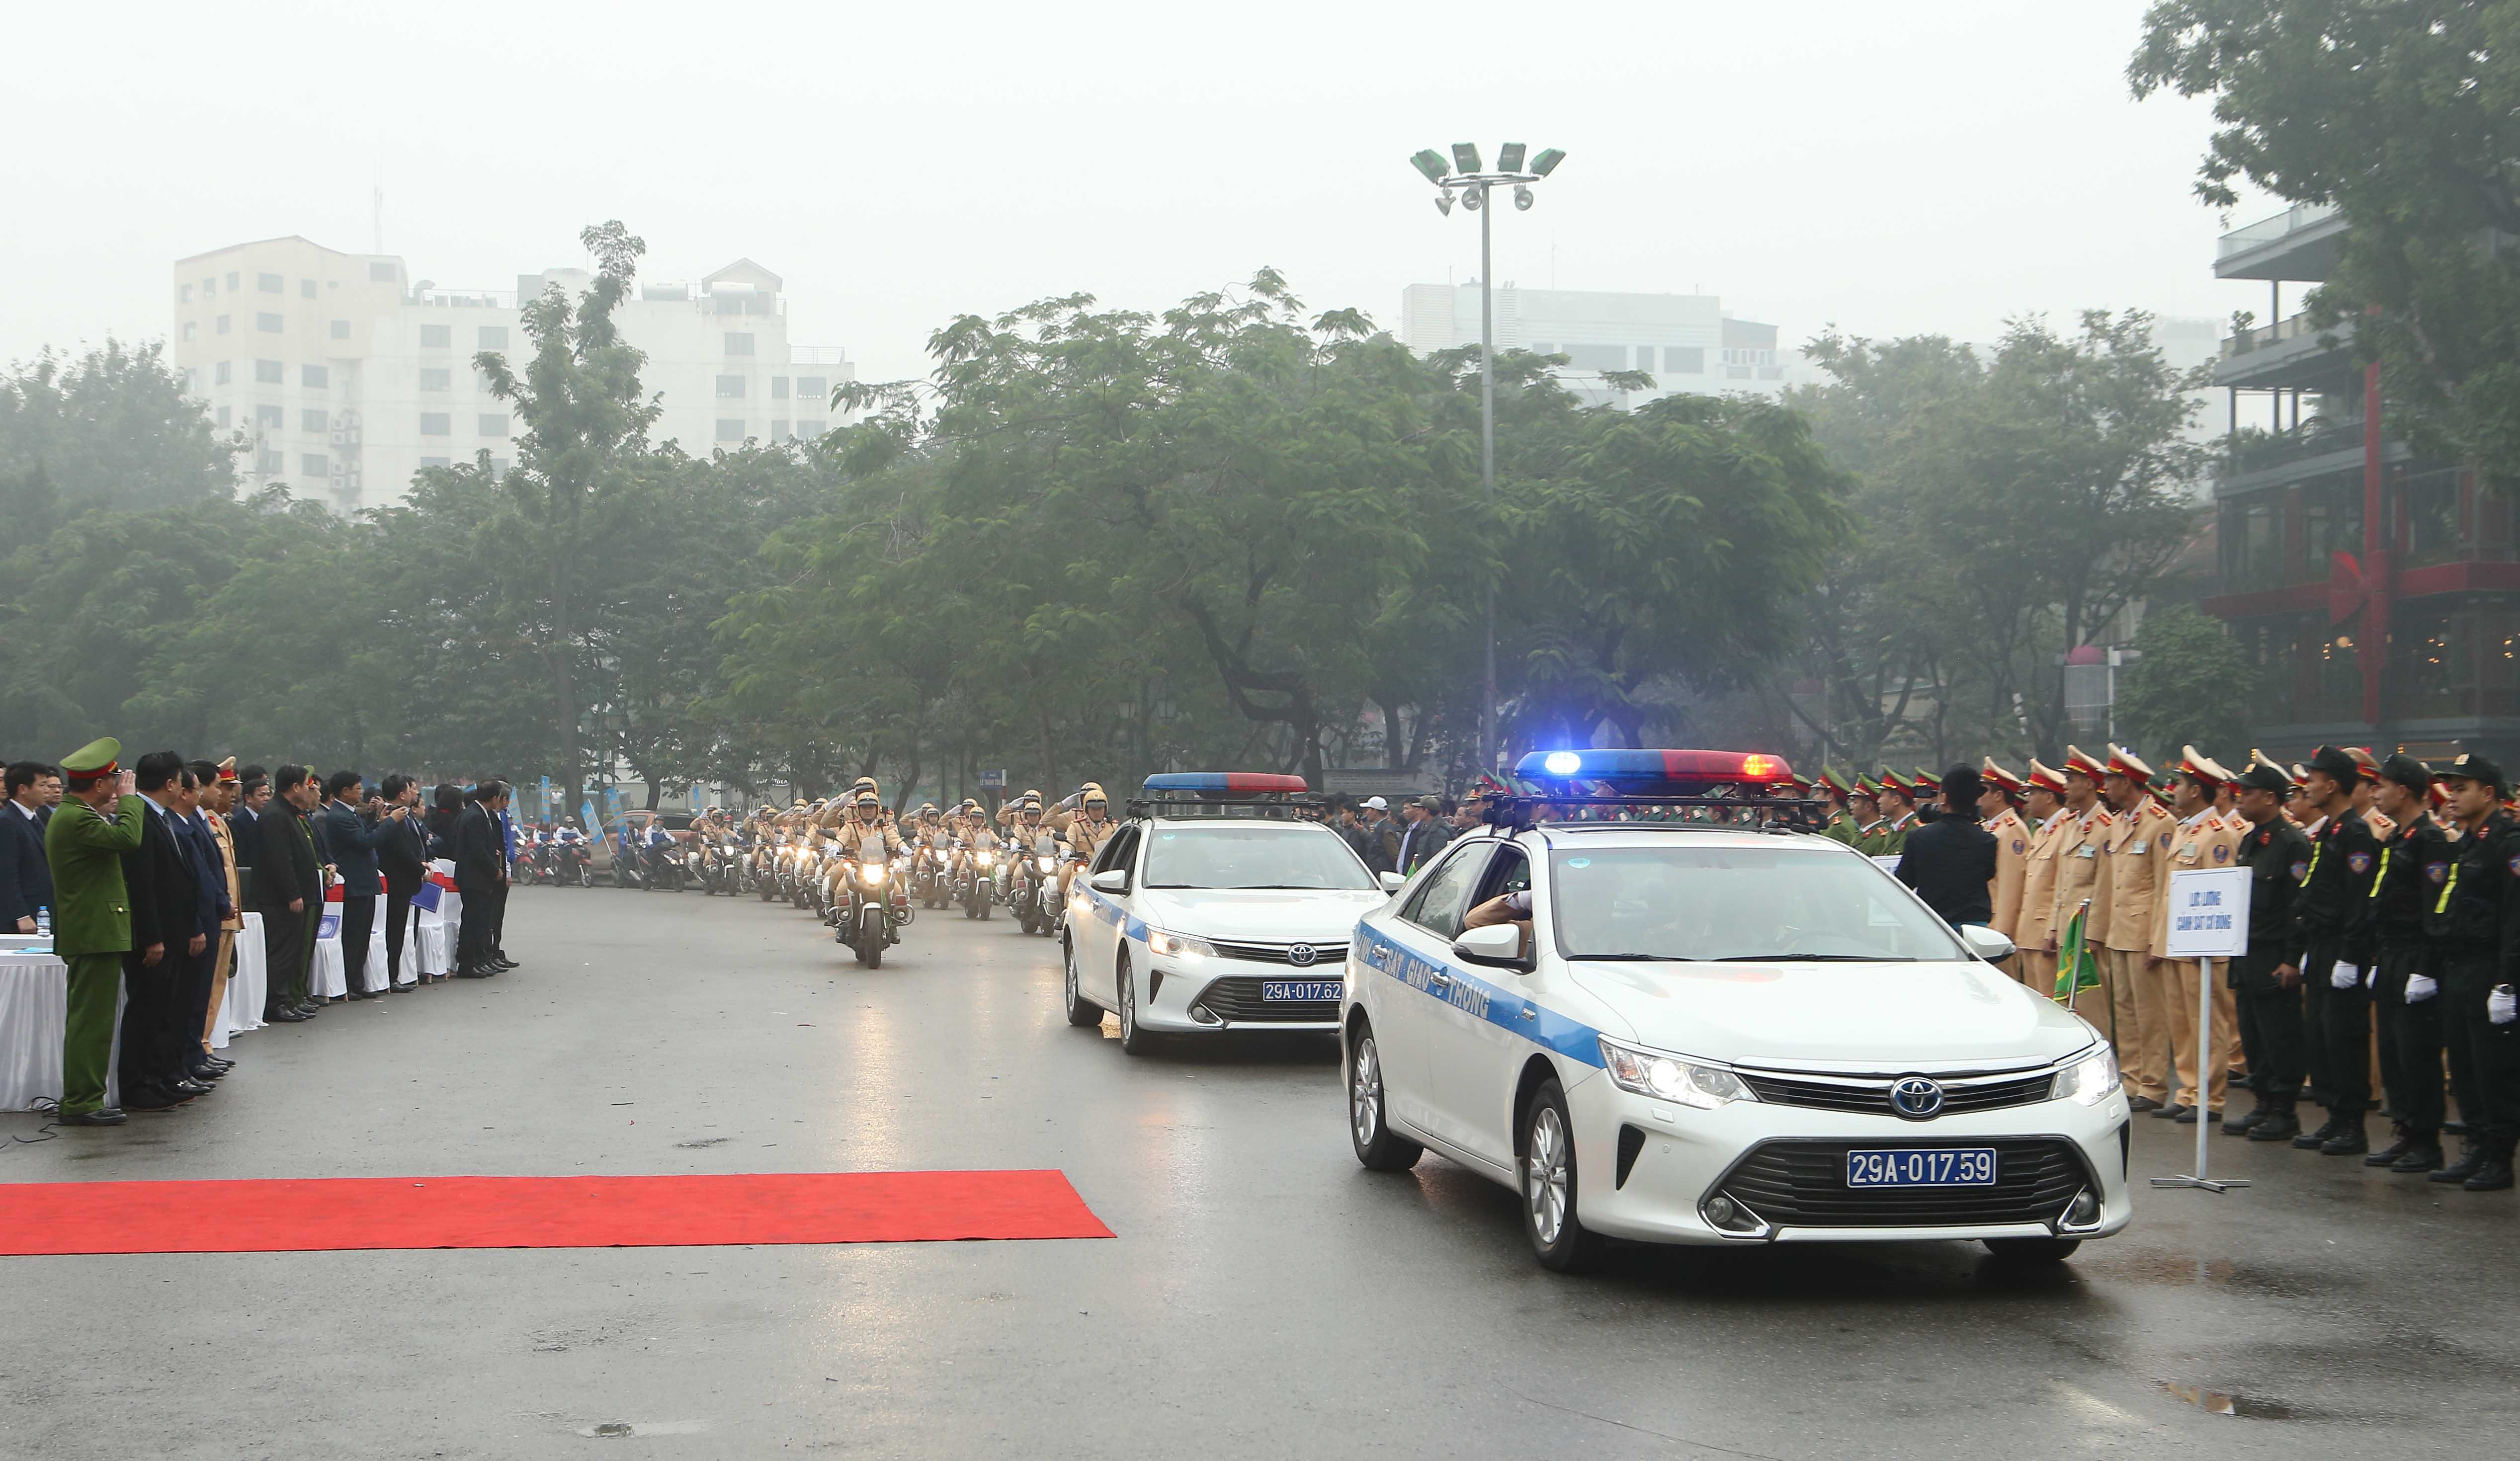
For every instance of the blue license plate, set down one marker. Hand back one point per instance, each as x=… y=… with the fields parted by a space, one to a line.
x=1298 y=990
x=1922 y=1167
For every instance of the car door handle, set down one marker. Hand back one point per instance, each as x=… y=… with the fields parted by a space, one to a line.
x=1439 y=981
x=1529 y=1013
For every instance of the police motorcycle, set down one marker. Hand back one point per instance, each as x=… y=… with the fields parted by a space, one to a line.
x=875 y=908
x=975 y=888
x=933 y=870
x=1032 y=884
x=719 y=861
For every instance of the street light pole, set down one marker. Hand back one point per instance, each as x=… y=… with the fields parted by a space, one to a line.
x=1477 y=186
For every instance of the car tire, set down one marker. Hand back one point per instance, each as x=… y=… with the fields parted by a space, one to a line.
x=1134 y=1038
x=1547 y=1185
x=1368 y=1129
x=2029 y=1253
x=1081 y=1012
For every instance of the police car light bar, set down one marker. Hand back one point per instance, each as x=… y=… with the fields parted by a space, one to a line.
x=1625 y=766
x=1247 y=784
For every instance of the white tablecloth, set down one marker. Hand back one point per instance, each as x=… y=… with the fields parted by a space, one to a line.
x=247 y=983
x=34 y=1012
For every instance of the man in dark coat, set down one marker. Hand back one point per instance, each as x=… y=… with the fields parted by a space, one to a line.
x=480 y=876
x=167 y=936
x=1951 y=861
x=289 y=891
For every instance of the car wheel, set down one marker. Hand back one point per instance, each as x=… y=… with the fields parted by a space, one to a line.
x=1558 y=1237
x=2032 y=1251
x=1133 y=1039
x=1081 y=1012
x=1376 y=1146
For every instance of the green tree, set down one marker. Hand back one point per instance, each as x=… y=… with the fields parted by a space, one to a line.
x=2190 y=685
x=111 y=429
x=2406 y=114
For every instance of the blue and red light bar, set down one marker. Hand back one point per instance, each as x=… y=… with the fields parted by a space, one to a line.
x=1245 y=784
x=1634 y=767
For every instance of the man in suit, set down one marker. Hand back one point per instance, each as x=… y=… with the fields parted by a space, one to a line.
x=25 y=880
x=1425 y=836
x=253 y=794
x=167 y=936
x=508 y=861
x=353 y=838
x=288 y=892
x=1951 y=861
x=481 y=877
x=218 y=799
x=402 y=857
x=84 y=845
x=213 y=906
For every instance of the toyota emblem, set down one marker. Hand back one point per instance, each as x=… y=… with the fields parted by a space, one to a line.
x=1916 y=1097
x=1301 y=955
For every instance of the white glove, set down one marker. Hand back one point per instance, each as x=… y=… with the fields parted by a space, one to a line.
x=2419 y=987
x=2345 y=976
x=2502 y=1006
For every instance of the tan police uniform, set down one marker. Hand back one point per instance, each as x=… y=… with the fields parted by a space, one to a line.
x=2081 y=878
x=2198 y=844
x=2136 y=854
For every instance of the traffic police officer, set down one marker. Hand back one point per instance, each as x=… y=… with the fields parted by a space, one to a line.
x=2134 y=878
x=2045 y=795
x=1999 y=810
x=2200 y=843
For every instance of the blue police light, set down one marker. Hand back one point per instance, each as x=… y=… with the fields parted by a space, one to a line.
x=1563 y=763
x=1638 y=767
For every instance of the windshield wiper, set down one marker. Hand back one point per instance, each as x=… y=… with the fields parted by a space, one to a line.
x=1656 y=959
x=1816 y=959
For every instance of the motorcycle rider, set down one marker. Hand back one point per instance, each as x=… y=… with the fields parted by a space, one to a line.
x=1089 y=826
x=863 y=839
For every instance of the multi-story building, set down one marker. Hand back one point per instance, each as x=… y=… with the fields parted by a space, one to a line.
x=2374 y=586
x=347 y=376
x=1685 y=342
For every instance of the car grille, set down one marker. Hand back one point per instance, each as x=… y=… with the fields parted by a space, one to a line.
x=1871 y=1096
x=1324 y=955
x=1803 y=1184
x=1237 y=1000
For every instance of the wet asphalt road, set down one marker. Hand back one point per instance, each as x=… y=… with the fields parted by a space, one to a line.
x=1264 y=1297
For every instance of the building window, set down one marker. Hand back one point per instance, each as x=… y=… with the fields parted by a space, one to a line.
x=340 y=330
x=480 y=381
x=314 y=464
x=436 y=423
x=268 y=373
x=209 y=287
x=498 y=468
x=1596 y=357
x=192 y=330
x=192 y=379
x=436 y=379
x=730 y=428
x=778 y=387
x=315 y=378
x=219 y=372
x=269 y=284
x=234 y=281
x=811 y=387
x=437 y=337
x=779 y=431
x=223 y=417
x=429 y=462
x=379 y=271
x=314 y=418
x=268 y=417
x=184 y=293
x=222 y=325
x=730 y=387
x=270 y=462
x=491 y=336
x=495 y=425
x=305 y=289
x=808 y=430
x=268 y=324
x=1683 y=360
x=738 y=342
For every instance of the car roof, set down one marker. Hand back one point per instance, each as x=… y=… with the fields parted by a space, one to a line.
x=1661 y=834
x=1287 y=822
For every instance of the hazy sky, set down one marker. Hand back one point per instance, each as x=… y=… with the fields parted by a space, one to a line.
x=1892 y=169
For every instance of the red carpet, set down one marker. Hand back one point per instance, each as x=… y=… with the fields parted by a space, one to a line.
x=310 y=1214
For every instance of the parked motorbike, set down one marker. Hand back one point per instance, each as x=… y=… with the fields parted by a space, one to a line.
x=666 y=869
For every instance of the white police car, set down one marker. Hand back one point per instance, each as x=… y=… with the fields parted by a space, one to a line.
x=1719 y=1034
x=1212 y=908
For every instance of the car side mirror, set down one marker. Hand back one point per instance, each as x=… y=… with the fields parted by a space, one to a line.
x=1392 y=882
x=1110 y=880
x=1986 y=943
x=1497 y=946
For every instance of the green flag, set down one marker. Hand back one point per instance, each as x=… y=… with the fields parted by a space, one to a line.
x=2077 y=967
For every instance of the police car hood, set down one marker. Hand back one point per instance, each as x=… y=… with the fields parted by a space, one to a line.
x=1259 y=915
x=1926 y=1016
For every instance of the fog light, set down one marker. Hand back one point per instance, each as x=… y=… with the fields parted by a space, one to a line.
x=2083 y=1211
x=1720 y=1212
x=1204 y=1015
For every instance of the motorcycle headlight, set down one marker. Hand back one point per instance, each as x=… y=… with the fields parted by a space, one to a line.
x=986 y=862
x=1669 y=1078
x=2088 y=1079
x=873 y=873
x=1178 y=945
x=1040 y=863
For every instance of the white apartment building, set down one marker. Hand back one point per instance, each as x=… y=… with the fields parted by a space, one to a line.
x=1686 y=343
x=347 y=376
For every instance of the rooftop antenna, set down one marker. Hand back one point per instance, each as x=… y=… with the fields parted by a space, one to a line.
x=378 y=239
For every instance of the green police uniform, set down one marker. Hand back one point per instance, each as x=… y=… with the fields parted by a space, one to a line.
x=91 y=920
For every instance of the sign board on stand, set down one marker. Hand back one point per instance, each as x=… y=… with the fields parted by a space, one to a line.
x=994 y=781
x=2209 y=921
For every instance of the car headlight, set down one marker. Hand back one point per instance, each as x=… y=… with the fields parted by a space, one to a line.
x=1668 y=1078
x=1178 y=945
x=2088 y=1079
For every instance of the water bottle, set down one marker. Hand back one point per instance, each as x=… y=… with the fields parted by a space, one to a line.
x=2503 y=1006
x=43 y=922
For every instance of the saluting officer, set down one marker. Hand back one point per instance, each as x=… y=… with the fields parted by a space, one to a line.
x=2045 y=798
x=2200 y=843
x=1999 y=807
x=2265 y=982
x=2331 y=952
x=92 y=925
x=2141 y=984
x=2080 y=879
x=2472 y=925
x=2415 y=868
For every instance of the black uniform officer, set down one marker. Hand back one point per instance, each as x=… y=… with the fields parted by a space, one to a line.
x=2334 y=914
x=2475 y=928
x=2266 y=986
x=2414 y=867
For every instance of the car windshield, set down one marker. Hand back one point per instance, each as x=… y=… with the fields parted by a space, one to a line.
x=1758 y=901
x=1252 y=857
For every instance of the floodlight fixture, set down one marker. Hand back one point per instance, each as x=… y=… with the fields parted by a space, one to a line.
x=1466 y=157
x=1444 y=202
x=1509 y=157
x=1474 y=199
x=1522 y=200
x=1430 y=162
x=1547 y=162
